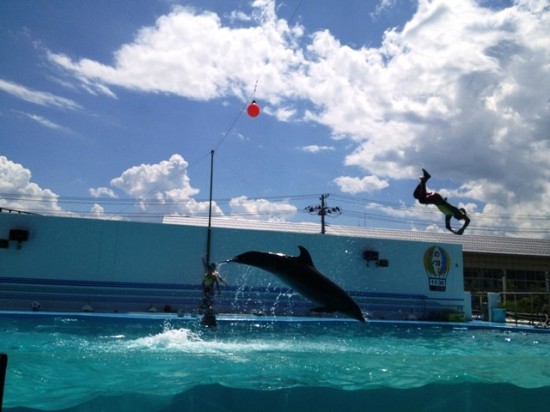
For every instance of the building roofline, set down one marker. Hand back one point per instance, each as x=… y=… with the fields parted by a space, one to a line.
x=470 y=243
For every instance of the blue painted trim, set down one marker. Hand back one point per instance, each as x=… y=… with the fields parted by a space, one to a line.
x=151 y=287
x=161 y=317
x=94 y=283
x=184 y=287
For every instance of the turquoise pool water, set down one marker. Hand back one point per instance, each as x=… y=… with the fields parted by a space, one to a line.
x=75 y=362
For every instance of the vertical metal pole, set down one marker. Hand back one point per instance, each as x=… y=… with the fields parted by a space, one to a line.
x=3 y=367
x=504 y=282
x=209 y=233
x=547 y=288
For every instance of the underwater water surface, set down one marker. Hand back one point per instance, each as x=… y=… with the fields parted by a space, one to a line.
x=75 y=362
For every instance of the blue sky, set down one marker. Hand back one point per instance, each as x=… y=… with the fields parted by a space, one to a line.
x=110 y=109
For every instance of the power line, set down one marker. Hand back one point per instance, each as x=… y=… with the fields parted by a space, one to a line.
x=152 y=201
x=156 y=209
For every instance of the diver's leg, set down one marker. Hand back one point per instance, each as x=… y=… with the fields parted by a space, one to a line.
x=420 y=192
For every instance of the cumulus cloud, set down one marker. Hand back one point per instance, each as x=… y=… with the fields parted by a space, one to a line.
x=162 y=187
x=193 y=54
x=355 y=185
x=460 y=89
x=19 y=193
x=167 y=178
x=456 y=87
x=97 y=211
x=261 y=209
x=102 y=192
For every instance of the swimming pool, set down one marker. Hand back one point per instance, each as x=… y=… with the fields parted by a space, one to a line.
x=149 y=363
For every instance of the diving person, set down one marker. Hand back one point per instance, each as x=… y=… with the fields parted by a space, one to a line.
x=434 y=198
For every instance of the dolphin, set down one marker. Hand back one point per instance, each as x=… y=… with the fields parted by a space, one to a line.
x=300 y=274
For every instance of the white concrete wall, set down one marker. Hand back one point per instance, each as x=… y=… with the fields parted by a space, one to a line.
x=110 y=251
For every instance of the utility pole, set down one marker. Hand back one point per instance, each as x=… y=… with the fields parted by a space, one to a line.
x=323 y=210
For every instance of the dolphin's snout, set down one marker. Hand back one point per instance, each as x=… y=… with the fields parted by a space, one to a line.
x=235 y=259
x=246 y=258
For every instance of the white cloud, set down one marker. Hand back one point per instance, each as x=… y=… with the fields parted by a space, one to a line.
x=460 y=89
x=97 y=211
x=44 y=122
x=166 y=180
x=37 y=97
x=316 y=148
x=164 y=188
x=382 y=6
x=193 y=207
x=261 y=209
x=87 y=83
x=354 y=185
x=102 y=192
x=236 y=16
x=194 y=55
x=19 y=193
x=283 y=114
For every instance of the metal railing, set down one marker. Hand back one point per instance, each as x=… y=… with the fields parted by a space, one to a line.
x=532 y=308
x=18 y=212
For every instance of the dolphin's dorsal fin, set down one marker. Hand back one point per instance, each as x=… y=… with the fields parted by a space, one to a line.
x=305 y=257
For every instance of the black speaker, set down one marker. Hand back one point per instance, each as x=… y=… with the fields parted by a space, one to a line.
x=369 y=255
x=19 y=235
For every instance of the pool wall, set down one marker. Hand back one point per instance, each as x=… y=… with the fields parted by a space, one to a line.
x=463 y=397
x=69 y=264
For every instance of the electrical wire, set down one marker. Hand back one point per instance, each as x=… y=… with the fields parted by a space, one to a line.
x=350 y=207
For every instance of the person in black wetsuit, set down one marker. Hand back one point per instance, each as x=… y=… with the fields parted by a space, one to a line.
x=434 y=198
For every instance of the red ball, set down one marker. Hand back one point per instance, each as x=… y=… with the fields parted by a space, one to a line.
x=253 y=109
